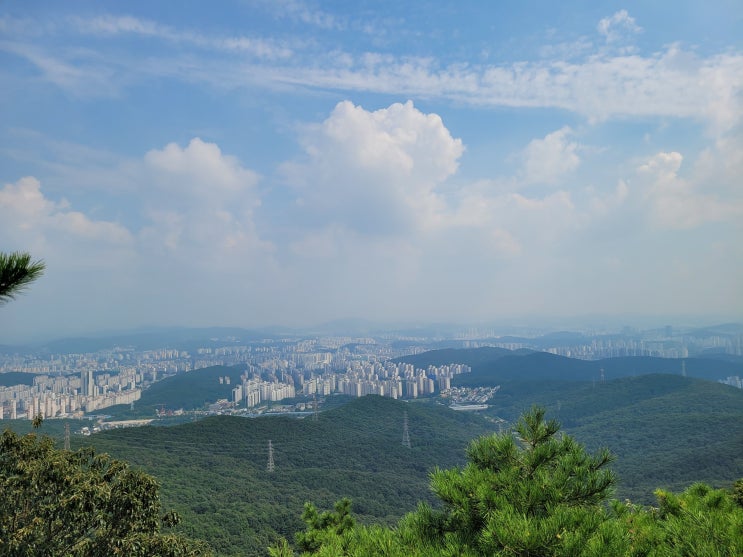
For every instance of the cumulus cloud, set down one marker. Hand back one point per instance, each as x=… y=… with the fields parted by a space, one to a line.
x=600 y=205
x=26 y=214
x=200 y=169
x=376 y=172
x=678 y=203
x=200 y=204
x=547 y=160
x=618 y=26
x=190 y=226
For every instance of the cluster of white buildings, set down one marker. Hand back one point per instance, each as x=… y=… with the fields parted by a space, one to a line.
x=733 y=381
x=394 y=380
x=254 y=391
x=69 y=395
x=73 y=384
x=359 y=379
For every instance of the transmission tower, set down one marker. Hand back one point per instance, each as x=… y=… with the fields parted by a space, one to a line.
x=405 y=431
x=67 y=437
x=270 y=467
x=314 y=403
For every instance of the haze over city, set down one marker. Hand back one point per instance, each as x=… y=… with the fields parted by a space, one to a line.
x=292 y=162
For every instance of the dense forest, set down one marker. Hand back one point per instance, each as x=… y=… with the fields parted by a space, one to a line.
x=492 y=366
x=664 y=432
x=214 y=471
x=530 y=490
x=534 y=492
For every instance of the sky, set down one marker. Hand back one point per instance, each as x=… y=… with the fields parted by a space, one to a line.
x=291 y=162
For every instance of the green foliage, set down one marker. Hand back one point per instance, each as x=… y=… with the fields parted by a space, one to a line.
x=738 y=492
x=324 y=526
x=55 y=502
x=701 y=521
x=494 y=366
x=17 y=271
x=191 y=390
x=213 y=471
x=540 y=495
x=665 y=430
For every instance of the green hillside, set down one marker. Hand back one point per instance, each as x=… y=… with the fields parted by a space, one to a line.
x=213 y=472
x=490 y=366
x=665 y=430
x=190 y=391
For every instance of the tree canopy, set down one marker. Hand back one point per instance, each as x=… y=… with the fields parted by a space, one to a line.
x=62 y=503
x=534 y=492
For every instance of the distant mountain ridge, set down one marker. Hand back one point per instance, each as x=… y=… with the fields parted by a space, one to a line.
x=491 y=365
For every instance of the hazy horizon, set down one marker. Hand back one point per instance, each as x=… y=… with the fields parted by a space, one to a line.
x=527 y=326
x=294 y=162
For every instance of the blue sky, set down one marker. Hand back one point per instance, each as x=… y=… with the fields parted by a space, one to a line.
x=291 y=162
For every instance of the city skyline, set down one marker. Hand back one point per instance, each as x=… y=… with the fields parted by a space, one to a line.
x=298 y=162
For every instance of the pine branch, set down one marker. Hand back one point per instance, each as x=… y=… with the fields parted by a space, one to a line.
x=17 y=271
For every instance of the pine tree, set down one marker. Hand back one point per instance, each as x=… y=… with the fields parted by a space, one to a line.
x=532 y=492
x=17 y=271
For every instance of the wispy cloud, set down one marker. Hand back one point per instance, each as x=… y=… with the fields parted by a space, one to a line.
x=303 y=12
x=618 y=26
x=673 y=82
x=110 y=25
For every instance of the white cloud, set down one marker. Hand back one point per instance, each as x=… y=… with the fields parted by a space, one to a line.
x=109 y=25
x=193 y=251
x=199 y=204
x=375 y=172
x=28 y=216
x=301 y=11
x=673 y=82
x=599 y=206
x=599 y=87
x=548 y=160
x=618 y=26
x=82 y=72
x=199 y=169
x=676 y=202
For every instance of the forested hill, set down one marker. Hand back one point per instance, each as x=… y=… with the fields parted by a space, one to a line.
x=190 y=391
x=665 y=430
x=214 y=471
x=492 y=365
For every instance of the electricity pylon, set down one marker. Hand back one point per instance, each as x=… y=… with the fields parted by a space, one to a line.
x=405 y=431
x=270 y=467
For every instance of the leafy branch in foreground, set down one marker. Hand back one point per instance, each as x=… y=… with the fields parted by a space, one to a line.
x=17 y=271
x=62 y=503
